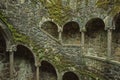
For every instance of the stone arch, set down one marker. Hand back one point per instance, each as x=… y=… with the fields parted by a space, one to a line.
x=48 y=71
x=51 y=28
x=2 y=42
x=70 y=76
x=94 y=25
x=5 y=40
x=71 y=33
x=96 y=37
x=24 y=63
x=6 y=34
x=116 y=38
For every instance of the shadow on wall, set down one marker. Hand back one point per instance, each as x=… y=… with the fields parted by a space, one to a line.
x=24 y=64
x=96 y=37
x=51 y=28
x=116 y=38
x=47 y=71
x=71 y=33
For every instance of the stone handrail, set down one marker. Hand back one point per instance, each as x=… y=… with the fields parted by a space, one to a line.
x=50 y=36
x=109 y=69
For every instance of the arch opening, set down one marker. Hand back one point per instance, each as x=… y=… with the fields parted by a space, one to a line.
x=47 y=71
x=96 y=37
x=71 y=33
x=70 y=76
x=4 y=58
x=2 y=42
x=51 y=28
x=24 y=63
x=116 y=38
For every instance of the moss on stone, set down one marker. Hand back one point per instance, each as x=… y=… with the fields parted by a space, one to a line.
x=62 y=64
x=20 y=38
x=57 y=12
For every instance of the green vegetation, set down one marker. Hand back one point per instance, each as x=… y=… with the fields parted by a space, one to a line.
x=56 y=11
x=21 y=38
x=16 y=36
x=113 y=6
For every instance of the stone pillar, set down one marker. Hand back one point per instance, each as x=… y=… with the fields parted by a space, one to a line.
x=11 y=64
x=109 y=43
x=11 y=59
x=60 y=34
x=37 y=71
x=83 y=38
x=59 y=76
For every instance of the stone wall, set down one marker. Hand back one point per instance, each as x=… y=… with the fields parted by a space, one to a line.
x=26 y=17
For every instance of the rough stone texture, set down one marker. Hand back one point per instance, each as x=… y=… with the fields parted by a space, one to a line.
x=26 y=16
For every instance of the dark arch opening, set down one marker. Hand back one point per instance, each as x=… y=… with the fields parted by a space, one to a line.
x=71 y=33
x=116 y=37
x=116 y=21
x=93 y=26
x=2 y=42
x=70 y=76
x=51 y=28
x=47 y=71
x=96 y=37
x=24 y=63
x=4 y=58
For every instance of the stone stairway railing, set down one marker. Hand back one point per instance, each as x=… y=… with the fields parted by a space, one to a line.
x=50 y=36
x=109 y=69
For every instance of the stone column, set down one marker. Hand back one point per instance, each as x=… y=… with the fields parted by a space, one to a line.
x=60 y=34
x=37 y=71
x=83 y=38
x=11 y=58
x=109 y=43
x=11 y=64
x=59 y=76
x=82 y=47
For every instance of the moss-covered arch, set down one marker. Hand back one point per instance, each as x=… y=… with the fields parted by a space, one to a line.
x=116 y=21
x=70 y=75
x=94 y=25
x=51 y=28
x=48 y=68
x=4 y=55
x=71 y=33
x=24 y=62
x=96 y=37
x=32 y=53
x=6 y=34
x=116 y=38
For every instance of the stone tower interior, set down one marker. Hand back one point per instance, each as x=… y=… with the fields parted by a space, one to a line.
x=58 y=40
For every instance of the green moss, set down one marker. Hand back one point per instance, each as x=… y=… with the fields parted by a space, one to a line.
x=112 y=6
x=57 y=12
x=63 y=64
x=20 y=38
x=17 y=37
